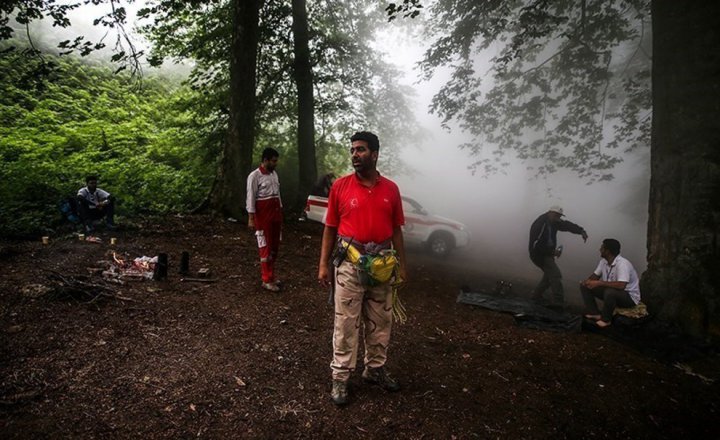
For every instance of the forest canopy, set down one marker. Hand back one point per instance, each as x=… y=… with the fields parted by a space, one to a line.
x=138 y=133
x=568 y=85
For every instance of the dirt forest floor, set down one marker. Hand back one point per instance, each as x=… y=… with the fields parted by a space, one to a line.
x=225 y=359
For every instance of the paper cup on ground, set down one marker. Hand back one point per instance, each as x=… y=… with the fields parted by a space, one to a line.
x=46 y=239
x=113 y=240
x=81 y=237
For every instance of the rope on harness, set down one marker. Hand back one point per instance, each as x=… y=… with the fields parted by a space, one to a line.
x=398 y=309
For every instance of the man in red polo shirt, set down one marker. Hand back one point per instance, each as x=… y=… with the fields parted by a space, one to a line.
x=264 y=209
x=365 y=208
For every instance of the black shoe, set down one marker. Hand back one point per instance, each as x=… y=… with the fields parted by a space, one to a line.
x=339 y=393
x=556 y=307
x=110 y=227
x=378 y=376
x=537 y=299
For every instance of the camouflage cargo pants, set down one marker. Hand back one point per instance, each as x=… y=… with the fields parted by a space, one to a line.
x=357 y=305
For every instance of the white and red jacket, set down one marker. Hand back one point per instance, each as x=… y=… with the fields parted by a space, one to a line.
x=263 y=194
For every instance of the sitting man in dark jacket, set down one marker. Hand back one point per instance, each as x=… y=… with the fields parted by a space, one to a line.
x=543 y=251
x=94 y=204
x=322 y=186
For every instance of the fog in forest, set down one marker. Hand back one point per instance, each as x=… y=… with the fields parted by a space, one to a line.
x=46 y=37
x=497 y=209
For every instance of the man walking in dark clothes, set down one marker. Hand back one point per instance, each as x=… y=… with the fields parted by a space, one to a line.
x=543 y=251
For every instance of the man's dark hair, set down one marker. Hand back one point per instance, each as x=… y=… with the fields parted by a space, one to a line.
x=90 y=177
x=269 y=153
x=612 y=245
x=370 y=138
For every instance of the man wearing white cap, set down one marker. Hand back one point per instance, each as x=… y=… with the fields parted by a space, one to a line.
x=543 y=250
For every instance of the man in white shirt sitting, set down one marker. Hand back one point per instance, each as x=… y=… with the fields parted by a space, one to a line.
x=95 y=204
x=615 y=281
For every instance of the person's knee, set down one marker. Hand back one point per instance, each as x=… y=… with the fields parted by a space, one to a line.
x=536 y=260
x=554 y=274
x=610 y=293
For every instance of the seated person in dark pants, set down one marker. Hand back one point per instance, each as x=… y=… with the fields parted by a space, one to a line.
x=614 y=281
x=95 y=204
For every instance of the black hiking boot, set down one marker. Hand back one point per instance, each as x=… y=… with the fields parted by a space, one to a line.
x=378 y=376
x=339 y=393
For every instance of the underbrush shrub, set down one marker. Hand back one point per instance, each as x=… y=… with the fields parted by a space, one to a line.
x=85 y=120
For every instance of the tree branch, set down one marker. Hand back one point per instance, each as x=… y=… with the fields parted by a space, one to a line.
x=604 y=101
x=637 y=49
x=135 y=67
x=532 y=69
x=35 y=50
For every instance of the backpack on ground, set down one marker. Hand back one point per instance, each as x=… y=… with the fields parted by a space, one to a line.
x=69 y=209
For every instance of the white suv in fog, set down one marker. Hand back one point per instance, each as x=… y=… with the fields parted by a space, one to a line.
x=439 y=235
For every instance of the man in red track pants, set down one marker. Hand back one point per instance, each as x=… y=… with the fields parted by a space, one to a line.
x=265 y=215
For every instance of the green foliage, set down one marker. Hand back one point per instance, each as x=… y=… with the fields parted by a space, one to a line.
x=354 y=88
x=146 y=144
x=565 y=75
x=16 y=16
x=406 y=9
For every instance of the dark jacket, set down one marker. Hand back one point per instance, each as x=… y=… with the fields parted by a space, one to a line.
x=543 y=235
x=322 y=186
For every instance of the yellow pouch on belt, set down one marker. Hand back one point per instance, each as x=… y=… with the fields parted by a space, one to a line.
x=378 y=268
x=382 y=267
x=353 y=255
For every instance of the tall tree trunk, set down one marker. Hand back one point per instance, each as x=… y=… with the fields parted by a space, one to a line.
x=306 y=103
x=228 y=193
x=682 y=282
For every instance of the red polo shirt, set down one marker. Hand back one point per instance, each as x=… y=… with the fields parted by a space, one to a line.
x=364 y=213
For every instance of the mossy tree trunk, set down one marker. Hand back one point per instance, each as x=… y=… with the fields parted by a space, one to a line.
x=306 y=104
x=228 y=193
x=682 y=281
